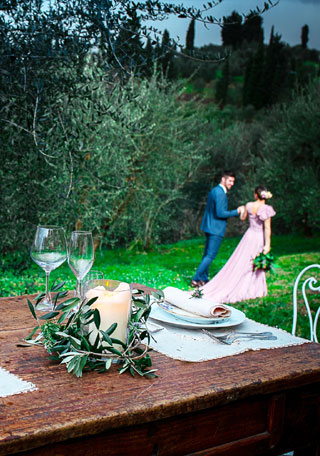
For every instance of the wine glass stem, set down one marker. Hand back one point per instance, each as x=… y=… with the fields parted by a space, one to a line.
x=78 y=289
x=48 y=295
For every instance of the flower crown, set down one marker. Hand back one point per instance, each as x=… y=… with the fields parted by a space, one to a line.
x=265 y=194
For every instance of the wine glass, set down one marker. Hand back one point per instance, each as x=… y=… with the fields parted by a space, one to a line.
x=49 y=251
x=80 y=256
x=94 y=274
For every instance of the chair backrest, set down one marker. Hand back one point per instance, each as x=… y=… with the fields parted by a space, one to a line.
x=311 y=281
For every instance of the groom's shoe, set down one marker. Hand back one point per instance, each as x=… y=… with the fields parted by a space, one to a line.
x=202 y=282
x=195 y=284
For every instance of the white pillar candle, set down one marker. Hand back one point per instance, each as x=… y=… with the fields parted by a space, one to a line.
x=113 y=307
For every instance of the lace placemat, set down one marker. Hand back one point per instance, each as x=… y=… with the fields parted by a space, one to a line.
x=11 y=384
x=195 y=346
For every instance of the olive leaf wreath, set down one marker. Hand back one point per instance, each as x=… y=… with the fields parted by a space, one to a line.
x=64 y=333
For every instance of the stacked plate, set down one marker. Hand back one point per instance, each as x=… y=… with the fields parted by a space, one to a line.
x=173 y=315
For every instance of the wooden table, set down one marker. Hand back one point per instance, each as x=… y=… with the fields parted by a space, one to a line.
x=255 y=403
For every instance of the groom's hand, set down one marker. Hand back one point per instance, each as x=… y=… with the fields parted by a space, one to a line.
x=240 y=210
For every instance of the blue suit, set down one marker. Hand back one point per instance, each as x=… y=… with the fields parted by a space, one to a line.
x=214 y=224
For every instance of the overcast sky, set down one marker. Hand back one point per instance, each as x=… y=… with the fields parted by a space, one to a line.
x=288 y=17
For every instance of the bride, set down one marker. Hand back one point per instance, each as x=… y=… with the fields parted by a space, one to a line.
x=237 y=281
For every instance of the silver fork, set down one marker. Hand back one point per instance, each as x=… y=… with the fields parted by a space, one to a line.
x=156 y=328
x=229 y=338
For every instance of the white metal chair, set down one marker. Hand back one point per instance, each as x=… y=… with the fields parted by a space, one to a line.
x=313 y=282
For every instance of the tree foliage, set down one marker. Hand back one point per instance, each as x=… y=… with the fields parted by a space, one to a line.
x=267 y=73
x=237 y=28
x=130 y=51
x=70 y=28
x=87 y=141
x=276 y=69
x=117 y=160
x=165 y=55
x=190 y=36
x=231 y=32
x=289 y=161
x=253 y=87
x=252 y=28
x=222 y=85
x=304 y=36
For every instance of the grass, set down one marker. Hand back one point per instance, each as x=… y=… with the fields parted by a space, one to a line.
x=175 y=264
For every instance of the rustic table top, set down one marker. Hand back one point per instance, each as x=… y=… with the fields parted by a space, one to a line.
x=68 y=407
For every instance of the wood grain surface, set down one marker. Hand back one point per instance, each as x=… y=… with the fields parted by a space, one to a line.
x=258 y=397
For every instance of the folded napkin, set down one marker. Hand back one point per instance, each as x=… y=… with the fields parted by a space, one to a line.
x=197 y=306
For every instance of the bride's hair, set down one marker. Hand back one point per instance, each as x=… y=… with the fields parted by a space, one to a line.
x=262 y=192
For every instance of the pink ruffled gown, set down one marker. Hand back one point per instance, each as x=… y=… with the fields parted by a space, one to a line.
x=237 y=281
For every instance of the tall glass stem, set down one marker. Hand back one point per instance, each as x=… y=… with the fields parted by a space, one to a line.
x=48 y=294
x=78 y=289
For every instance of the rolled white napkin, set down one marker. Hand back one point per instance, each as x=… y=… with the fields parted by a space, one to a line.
x=197 y=306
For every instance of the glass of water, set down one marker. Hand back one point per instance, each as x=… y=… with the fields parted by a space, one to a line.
x=80 y=256
x=94 y=274
x=49 y=251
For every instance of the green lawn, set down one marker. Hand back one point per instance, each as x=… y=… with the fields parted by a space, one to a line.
x=175 y=264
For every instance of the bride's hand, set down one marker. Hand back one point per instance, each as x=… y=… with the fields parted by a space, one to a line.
x=265 y=250
x=242 y=212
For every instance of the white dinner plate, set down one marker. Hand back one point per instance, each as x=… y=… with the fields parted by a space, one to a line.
x=182 y=314
x=237 y=317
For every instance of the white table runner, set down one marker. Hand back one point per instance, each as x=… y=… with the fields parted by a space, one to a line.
x=195 y=346
x=11 y=384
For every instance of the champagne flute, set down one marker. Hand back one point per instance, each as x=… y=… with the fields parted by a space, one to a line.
x=49 y=251
x=80 y=256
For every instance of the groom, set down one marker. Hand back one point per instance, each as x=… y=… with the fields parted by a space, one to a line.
x=214 y=225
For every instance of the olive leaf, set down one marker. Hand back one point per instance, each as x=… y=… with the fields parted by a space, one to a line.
x=30 y=336
x=31 y=309
x=49 y=315
x=58 y=286
x=96 y=317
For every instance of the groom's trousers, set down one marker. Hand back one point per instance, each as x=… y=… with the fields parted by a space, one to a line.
x=211 y=248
